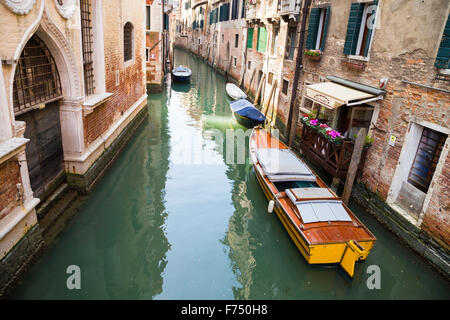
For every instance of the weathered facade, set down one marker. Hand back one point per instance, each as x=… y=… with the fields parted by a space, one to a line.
x=157 y=41
x=378 y=65
x=72 y=92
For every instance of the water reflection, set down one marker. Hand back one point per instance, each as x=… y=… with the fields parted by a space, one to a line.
x=117 y=238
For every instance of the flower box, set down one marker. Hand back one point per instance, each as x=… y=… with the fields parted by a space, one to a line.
x=313 y=55
x=322 y=128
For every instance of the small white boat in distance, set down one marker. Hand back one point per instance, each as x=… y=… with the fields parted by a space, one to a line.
x=235 y=92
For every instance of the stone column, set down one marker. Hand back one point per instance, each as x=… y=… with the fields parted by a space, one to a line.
x=25 y=176
x=6 y=126
x=71 y=117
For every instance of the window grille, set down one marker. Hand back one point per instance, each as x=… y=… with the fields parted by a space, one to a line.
x=87 y=44
x=128 y=41
x=36 y=79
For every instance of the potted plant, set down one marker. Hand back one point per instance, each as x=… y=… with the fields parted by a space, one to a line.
x=314 y=55
x=322 y=128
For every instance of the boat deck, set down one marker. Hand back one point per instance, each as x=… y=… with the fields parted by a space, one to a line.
x=317 y=232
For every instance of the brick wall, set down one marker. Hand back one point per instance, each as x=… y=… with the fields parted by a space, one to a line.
x=131 y=74
x=9 y=193
x=437 y=218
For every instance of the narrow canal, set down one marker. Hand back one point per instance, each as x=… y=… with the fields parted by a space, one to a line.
x=157 y=227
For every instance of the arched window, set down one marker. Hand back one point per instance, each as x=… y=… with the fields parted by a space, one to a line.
x=128 y=41
x=36 y=79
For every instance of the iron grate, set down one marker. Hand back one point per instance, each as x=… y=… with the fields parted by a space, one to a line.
x=36 y=79
x=87 y=43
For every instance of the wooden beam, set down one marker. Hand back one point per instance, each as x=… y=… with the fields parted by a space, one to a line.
x=263 y=78
x=251 y=81
x=266 y=106
x=356 y=157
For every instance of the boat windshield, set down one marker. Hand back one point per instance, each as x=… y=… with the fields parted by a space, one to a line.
x=282 y=186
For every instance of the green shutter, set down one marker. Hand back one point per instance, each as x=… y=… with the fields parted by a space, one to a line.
x=443 y=55
x=370 y=31
x=325 y=28
x=250 y=38
x=313 y=27
x=262 y=40
x=226 y=14
x=353 y=27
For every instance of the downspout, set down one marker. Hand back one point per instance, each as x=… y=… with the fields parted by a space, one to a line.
x=163 y=36
x=293 y=110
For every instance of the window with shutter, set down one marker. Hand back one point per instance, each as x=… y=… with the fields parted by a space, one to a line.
x=443 y=55
x=353 y=27
x=224 y=12
x=262 y=40
x=290 y=43
x=361 y=23
x=326 y=21
x=313 y=26
x=317 y=28
x=250 y=38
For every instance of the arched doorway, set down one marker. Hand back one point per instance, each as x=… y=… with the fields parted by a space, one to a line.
x=36 y=92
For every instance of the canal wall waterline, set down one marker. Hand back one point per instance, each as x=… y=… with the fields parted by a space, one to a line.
x=19 y=259
x=416 y=239
x=86 y=182
x=27 y=250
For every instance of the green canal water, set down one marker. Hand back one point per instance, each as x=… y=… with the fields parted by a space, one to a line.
x=157 y=227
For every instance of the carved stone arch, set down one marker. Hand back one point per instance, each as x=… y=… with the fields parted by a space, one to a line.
x=61 y=51
x=64 y=57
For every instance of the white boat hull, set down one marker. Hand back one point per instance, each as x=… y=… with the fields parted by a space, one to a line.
x=234 y=92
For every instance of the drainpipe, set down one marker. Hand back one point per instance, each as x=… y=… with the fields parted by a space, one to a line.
x=293 y=110
x=163 y=36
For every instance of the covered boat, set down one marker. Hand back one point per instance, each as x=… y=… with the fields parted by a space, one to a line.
x=235 y=92
x=322 y=227
x=181 y=74
x=246 y=114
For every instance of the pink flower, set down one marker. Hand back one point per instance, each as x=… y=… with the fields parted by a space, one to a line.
x=314 y=122
x=323 y=125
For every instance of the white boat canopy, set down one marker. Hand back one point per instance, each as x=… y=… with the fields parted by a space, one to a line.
x=283 y=165
x=317 y=210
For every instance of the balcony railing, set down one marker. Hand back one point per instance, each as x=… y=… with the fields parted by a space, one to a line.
x=290 y=7
x=333 y=158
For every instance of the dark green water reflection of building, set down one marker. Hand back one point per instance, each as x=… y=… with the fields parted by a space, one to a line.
x=156 y=227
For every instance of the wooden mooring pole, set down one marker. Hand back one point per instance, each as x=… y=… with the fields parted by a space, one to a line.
x=356 y=157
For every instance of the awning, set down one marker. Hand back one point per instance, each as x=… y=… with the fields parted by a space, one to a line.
x=333 y=95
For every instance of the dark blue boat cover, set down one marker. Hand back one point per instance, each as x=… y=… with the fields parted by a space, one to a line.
x=244 y=108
